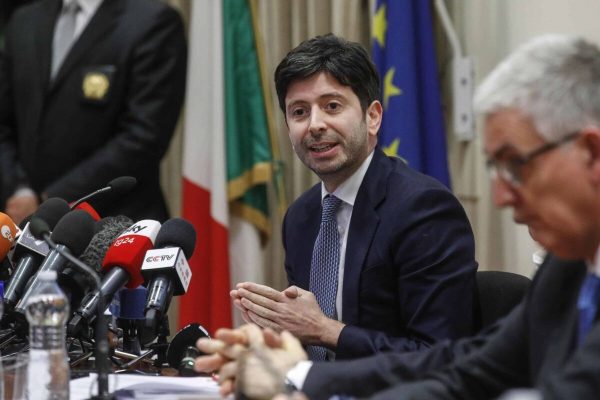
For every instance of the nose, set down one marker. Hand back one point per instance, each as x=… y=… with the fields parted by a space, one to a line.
x=317 y=121
x=504 y=193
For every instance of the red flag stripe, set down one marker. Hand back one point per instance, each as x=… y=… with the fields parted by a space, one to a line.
x=207 y=301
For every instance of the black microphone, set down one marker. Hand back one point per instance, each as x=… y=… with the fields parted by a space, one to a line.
x=76 y=284
x=182 y=350
x=72 y=234
x=29 y=252
x=166 y=269
x=120 y=185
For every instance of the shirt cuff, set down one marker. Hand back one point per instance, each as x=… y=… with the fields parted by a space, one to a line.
x=297 y=375
x=24 y=191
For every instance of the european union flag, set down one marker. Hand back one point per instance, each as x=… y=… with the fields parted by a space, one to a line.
x=404 y=53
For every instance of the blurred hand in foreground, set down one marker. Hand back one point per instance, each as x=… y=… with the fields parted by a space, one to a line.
x=250 y=360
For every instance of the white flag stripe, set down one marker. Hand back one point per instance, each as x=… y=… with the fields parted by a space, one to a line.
x=204 y=143
x=245 y=257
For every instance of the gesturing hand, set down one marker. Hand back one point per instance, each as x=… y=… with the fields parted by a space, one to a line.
x=295 y=310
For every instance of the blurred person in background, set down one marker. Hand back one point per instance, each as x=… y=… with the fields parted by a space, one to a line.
x=90 y=90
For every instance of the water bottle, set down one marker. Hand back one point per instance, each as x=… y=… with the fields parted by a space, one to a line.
x=47 y=312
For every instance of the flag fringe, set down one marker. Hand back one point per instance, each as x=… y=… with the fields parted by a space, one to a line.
x=254 y=216
x=266 y=89
x=259 y=174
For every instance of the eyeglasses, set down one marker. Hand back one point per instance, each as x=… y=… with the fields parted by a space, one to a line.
x=510 y=169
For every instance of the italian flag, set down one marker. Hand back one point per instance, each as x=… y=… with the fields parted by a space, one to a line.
x=227 y=159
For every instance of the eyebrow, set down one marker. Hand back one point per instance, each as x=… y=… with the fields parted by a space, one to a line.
x=329 y=95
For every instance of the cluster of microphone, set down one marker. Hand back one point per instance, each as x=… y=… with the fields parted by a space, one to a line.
x=136 y=266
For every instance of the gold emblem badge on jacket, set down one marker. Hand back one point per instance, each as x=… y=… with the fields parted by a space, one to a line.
x=96 y=83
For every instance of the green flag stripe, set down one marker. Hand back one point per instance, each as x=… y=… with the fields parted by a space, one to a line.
x=248 y=148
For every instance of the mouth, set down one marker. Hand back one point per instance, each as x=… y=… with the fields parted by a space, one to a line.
x=322 y=148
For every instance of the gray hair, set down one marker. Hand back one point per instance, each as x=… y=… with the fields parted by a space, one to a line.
x=552 y=79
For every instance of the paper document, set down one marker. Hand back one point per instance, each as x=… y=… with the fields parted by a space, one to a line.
x=129 y=386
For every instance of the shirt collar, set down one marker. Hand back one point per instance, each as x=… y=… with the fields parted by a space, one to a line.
x=348 y=190
x=594 y=266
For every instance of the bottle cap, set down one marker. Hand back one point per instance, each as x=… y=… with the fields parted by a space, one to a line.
x=47 y=275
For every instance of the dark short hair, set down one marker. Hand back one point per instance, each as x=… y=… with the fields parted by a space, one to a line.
x=348 y=62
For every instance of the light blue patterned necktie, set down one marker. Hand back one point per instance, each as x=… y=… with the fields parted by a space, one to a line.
x=587 y=305
x=324 y=266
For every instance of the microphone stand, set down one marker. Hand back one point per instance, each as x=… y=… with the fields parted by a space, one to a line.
x=102 y=361
x=89 y=196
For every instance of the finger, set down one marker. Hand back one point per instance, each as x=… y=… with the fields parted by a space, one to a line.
x=208 y=363
x=231 y=336
x=238 y=304
x=264 y=322
x=227 y=387
x=254 y=334
x=259 y=309
x=246 y=317
x=234 y=294
x=291 y=344
x=257 y=299
x=228 y=371
x=209 y=346
x=261 y=290
x=291 y=292
x=272 y=338
x=234 y=352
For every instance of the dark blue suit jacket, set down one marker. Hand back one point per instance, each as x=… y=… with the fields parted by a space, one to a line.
x=409 y=277
x=534 y=348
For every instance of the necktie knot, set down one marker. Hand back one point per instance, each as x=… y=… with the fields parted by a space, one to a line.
x=70 y=7
x=330 y=207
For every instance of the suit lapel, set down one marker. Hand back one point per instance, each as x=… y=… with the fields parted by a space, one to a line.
x=563 y=336
x=43 y=40
x=102 y=22
x=363 y=225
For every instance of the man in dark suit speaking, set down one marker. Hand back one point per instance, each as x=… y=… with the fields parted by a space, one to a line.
x=542 y=140
x=95 y=88
x=379 y=257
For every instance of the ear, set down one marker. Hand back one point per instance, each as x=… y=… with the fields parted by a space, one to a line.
x=373 y=118
x=590 y=141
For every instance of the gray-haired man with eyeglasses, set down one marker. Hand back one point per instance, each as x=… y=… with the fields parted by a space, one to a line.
x=541 y=109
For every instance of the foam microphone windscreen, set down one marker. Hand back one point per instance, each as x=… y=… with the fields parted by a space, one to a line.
x=8 y=232
x=128 y=250
x=106 y=230
x=74 y=230
x=52 y=210
x=177 y=232
x=122 y=184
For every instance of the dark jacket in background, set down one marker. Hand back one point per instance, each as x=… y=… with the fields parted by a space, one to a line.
x=110 y=111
